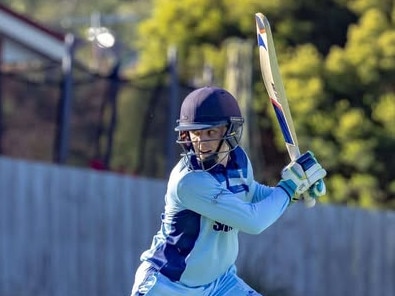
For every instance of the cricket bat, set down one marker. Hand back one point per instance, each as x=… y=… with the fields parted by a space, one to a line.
x=275 y=89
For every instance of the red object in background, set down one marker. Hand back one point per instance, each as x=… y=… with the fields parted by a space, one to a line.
x=97 y=164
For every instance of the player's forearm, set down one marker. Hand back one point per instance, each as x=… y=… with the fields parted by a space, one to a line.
x=268 y=209
x=253 y=218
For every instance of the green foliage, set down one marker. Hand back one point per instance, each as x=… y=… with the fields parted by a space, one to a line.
x=384 y=111
x=360 y=79
x=358 y=190
x=198 y=28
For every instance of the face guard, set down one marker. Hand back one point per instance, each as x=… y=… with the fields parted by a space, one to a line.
x=231 y=139
x=205 y=108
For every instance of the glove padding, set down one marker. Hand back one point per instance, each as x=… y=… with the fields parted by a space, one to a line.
x=301 y=176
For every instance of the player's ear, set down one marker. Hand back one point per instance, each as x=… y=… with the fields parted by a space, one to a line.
x=184 y=136
x=185 y=139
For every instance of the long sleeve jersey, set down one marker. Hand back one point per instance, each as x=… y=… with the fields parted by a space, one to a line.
x=204 y=211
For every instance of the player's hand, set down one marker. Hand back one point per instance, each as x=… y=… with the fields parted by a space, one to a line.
x=304 y=174
x=317 y=190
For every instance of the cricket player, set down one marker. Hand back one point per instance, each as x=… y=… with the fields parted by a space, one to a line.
x=211 y=196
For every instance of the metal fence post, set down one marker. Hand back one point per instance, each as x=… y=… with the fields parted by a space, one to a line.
x=173 y=99
x=63 y=125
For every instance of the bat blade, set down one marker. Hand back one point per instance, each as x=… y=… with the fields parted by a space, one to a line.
x=275 y=88
x=274 y=85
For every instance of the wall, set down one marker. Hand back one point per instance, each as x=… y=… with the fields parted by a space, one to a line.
x=69 y=231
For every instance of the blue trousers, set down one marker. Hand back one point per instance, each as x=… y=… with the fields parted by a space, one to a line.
x=150 y=282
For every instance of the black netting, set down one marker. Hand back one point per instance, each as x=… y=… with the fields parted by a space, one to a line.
x=114 y=123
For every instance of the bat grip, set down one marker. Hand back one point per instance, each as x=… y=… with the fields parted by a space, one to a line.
x=308 y=200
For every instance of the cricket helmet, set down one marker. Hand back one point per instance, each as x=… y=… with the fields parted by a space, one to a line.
x=209 y=107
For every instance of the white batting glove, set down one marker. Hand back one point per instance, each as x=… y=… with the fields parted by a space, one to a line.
x=301 y=176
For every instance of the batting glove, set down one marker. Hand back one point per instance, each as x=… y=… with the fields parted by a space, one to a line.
x=301 y=176
x=317 y=190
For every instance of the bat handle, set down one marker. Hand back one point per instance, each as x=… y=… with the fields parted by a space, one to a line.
x=309 y=201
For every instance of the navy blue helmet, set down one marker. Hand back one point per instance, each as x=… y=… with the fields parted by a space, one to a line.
x=208 y=107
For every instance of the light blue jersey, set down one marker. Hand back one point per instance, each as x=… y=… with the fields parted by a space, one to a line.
x=204 y=211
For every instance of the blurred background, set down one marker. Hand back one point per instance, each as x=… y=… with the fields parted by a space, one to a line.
x=94 y=87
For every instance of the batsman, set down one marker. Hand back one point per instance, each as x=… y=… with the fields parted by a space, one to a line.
x=211 y=197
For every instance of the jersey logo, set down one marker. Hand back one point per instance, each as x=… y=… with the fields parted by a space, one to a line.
x=221 y=227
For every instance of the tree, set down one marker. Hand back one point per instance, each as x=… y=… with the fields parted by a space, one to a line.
x=360 y=78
